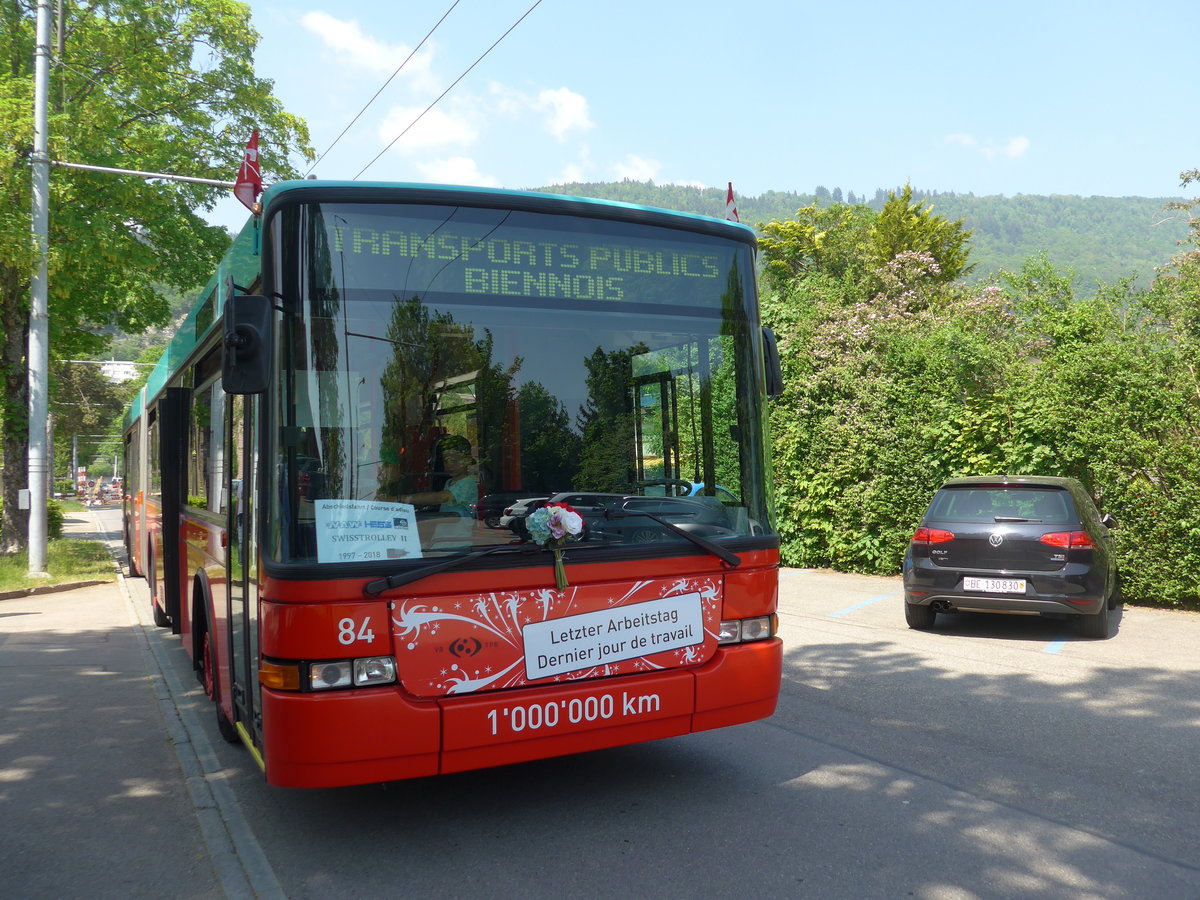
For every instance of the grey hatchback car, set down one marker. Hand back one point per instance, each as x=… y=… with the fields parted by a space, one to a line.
x=1012 y=544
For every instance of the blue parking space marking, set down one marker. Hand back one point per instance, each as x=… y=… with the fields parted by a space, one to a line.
x=857 y=606
x=1056 y=646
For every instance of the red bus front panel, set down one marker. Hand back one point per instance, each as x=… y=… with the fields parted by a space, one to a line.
x=465 y=698
x=463 y=644
x=348 y=737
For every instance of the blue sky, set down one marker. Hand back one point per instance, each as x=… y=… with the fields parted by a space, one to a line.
x=1050 y=97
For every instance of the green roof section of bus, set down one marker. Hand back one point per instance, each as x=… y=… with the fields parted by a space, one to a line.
x=495 y=196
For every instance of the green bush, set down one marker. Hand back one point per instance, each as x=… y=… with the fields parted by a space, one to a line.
x=887 y=397
x=54 y=518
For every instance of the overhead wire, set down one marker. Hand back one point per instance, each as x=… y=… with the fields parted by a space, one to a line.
x=408 y=127
x=382 y=87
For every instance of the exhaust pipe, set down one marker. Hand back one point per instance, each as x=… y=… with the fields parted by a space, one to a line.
x=941 y=606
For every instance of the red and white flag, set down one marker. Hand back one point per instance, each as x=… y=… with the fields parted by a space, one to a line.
x=249 y=178
x=730 y=206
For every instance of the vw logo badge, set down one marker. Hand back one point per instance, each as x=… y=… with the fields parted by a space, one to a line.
x=996 y=539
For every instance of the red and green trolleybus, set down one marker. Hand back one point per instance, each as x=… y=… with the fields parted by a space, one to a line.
x=315 y=466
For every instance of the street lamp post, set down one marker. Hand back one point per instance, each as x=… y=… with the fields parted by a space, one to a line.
x=39 y=330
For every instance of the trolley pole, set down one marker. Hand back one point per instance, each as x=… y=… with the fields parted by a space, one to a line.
x=39 y=328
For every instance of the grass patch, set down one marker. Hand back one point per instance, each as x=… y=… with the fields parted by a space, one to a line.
x=67 y=560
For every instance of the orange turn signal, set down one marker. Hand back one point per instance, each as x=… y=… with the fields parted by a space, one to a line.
x=280 y=677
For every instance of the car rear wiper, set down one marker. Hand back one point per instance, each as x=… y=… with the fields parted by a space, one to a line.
x=732 y=559
x=379 y=585
x=1013 y=519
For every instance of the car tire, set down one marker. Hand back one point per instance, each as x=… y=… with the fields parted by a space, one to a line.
x=1096 y=626
x=919 y=617
x=1117 y=597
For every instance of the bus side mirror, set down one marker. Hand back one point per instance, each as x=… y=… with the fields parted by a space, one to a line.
x=247 y=365
x=773 y=365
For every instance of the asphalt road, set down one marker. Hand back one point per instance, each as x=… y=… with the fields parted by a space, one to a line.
x=996 y=756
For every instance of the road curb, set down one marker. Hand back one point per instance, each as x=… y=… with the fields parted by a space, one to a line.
x=52 y=588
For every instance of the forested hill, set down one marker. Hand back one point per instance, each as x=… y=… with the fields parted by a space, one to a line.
x=1102 y=239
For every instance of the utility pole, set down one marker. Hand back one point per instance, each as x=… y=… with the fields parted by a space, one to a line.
x=39 y=327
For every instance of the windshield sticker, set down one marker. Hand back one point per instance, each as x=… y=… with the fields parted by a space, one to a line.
x=503 y=639
x=364 y=530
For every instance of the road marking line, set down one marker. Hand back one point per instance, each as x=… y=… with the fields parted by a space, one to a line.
x=857 y=606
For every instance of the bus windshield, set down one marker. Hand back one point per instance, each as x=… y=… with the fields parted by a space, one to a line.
x=444 y=371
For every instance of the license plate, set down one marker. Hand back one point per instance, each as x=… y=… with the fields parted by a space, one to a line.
x=995 y=585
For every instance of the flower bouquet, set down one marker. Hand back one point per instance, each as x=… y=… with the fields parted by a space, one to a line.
x=552 y=526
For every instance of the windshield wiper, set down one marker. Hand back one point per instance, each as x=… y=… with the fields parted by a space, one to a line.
x=732 y=559
x=379 y=585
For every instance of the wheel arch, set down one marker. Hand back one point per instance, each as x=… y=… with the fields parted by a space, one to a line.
x=202 y=617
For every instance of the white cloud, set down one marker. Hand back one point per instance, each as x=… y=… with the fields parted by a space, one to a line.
x=572 y=173
x=456 y=170
x=437 y=128
x=637 y=168
x=354 y=48
x=507 y=100
x=1013 y=148
x=568 y=111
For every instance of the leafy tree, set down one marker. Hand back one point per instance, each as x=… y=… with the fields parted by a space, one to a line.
x=905 y=225
x=857 y=244
x=155 y=85
x=549 y=448
x=828 y=240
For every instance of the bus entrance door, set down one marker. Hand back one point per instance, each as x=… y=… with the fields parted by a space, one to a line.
x=243 y=606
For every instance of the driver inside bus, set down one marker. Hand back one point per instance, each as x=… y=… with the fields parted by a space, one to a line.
x=461 y=491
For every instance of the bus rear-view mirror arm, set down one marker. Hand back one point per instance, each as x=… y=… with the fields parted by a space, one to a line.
x=773 y=365
x=246 y=368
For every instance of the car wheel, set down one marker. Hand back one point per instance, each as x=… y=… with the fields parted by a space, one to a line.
x=1117 y=597
x=1096 y=626
x=919 y=617
x=492 y=521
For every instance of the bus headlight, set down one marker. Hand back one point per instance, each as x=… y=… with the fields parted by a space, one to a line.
x=374 y=670
x=743 y=631
x=369 y=671
x=324 y=676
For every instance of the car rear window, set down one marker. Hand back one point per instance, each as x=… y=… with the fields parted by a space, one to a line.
x=987 y=504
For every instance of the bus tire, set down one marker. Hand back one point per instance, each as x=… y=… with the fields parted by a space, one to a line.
x=130 y=557
x=208 y=678
x=161 y=619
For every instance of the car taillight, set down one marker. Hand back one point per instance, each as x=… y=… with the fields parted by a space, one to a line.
x=932 y=536
x=1069 y=540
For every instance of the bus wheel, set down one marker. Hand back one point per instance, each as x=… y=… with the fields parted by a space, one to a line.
x=161 y=619
x=209 y=680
